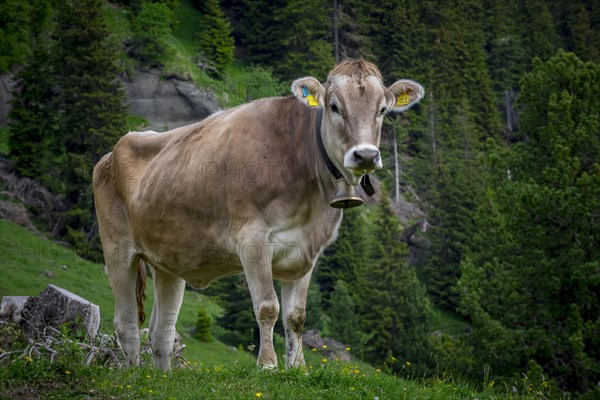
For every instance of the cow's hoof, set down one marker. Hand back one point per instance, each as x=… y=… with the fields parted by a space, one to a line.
x=267 y=366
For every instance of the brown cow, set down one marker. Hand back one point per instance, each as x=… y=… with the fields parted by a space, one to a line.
x=245 y=190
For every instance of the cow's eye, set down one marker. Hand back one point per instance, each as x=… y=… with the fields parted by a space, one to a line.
x=382 y=111
x=335 y=109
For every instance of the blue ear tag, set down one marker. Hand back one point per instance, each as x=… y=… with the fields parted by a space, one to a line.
x=305 y=91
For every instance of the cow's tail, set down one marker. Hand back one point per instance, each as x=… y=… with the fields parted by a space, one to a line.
x=140 y=291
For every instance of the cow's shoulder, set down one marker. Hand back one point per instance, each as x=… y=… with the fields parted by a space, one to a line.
x=134 y=152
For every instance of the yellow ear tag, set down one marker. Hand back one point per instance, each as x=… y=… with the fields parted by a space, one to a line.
x=312 y=101
x=403 y=99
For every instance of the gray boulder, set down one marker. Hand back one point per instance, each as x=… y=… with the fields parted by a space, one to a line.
x=12 y=308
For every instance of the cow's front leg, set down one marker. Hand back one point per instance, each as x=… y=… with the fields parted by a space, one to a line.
x=293 y=297
x=256 y=259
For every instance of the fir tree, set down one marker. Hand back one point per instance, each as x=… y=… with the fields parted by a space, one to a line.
x=151 y=28
x=540 y=37
x=238 y=318
x=92 y=108
x=533 y=263
x=315 y=317
x=345 y=323
x=259 y=31
x=305 y=38
x=215 y=41
x=33 y=116
x=345 y=257
x=394 y=310
x=203 y=326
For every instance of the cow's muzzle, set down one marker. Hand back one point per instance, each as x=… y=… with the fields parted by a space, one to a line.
x=362 y=159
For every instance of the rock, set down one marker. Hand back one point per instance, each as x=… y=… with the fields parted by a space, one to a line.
x=14 y=212
x=331 y=348
x=167 y=102
x=48 y=274
x=12 y=308
x=312 y=338
x=57 y=306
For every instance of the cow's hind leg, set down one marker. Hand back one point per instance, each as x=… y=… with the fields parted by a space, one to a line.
x=293 y=298
x=122 y=273
x=168 y=295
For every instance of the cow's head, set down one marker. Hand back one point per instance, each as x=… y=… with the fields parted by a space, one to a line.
x=354 y=102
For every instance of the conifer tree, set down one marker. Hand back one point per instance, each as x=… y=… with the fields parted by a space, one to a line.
x=345 y=258
x=215 y=41
x=21 y=25
x=151 y=28
x=238 y=318
x=14 y=36
x=305 y=38
x=92 y=105
x=394 y=310
x=33 y=116
x=533 y=264
x=258 y=32
x=315 y=318
x=344 y=320
x=540 y=36
x=203 y=326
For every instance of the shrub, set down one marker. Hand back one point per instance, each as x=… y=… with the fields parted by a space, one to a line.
x=203 y=326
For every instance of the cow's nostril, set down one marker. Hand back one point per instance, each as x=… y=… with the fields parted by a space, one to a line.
x=366 y=157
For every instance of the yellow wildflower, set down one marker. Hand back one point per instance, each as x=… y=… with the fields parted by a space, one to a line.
x=347 y=348
x=408 y=363
x=314 y=349
x=324 y=346
x=259 y=394
x=324 y=360
x=377 y=370
x=68 y=372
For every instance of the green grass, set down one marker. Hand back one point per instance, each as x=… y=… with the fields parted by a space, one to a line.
x=25 y=260
x=136 y=122
x=188 y=28
x=63 y=380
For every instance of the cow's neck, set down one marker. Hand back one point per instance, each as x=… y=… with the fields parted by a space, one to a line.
x=309 y=156
x=328 y=163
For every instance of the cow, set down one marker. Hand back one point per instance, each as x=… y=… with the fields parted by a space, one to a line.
x=246 y=190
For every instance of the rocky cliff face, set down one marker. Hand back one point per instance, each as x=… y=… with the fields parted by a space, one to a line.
x=166 y=102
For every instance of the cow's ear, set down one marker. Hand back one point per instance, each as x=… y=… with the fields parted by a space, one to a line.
x=403 y=94
x=309 y=92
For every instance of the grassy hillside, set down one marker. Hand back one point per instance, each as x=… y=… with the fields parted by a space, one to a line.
x=28 y=263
